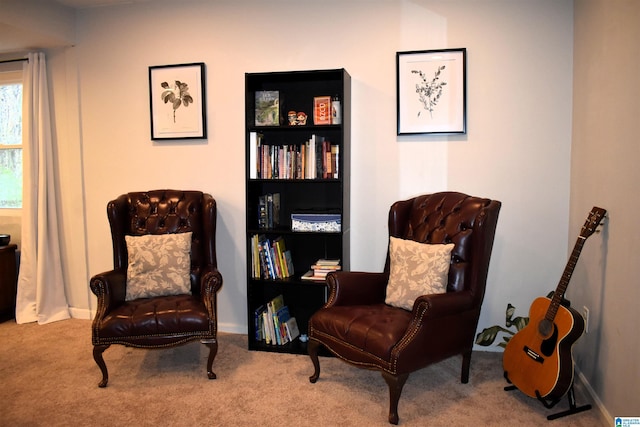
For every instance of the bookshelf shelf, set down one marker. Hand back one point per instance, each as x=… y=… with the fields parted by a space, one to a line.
x=272 y=195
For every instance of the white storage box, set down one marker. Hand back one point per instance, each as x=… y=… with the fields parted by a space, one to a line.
x=316 y=222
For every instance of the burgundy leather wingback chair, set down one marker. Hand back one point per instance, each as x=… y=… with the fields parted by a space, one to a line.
x=162 y=321
x=357 y=326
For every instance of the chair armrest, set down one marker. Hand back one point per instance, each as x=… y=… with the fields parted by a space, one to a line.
x=210 y=284
x=447 y=319
x=111 y=288
x=438 y=305
x=356 y=288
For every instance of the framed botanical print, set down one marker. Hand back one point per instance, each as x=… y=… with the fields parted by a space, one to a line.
x=177 y=101
x=431 y=91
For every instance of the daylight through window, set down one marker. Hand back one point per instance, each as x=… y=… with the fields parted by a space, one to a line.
x=11 y=140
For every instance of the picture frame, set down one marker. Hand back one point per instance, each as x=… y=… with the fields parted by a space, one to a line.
x=177 y=100
x=431 y=91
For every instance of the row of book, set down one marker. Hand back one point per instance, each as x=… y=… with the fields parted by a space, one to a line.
x=270 y=259
x=274 y=324
x=316 y=158
x=321 y=268
x=269 y=210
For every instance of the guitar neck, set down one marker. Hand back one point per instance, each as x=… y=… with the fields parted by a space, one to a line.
x=564 y=280
x=595 y=217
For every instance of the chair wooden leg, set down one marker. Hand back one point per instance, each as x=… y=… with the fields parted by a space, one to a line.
x=313 y=354
x=97 y=356
x=213 y=350
x=395 y=383
x=466 y=365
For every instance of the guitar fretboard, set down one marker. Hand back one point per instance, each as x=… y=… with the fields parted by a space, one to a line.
x=593 y=220
x=564 y=279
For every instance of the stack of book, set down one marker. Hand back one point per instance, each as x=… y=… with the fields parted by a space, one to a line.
x=321 y=268
x=270 y=259
x=274 y=324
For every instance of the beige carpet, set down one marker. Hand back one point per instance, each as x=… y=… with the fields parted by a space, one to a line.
x=48 y=378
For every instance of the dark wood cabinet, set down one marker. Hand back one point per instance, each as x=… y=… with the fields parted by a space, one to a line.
x=8 y=281
x=324 y=193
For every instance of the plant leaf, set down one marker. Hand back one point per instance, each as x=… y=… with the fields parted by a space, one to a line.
x=509 y=314
x=520 y=322
x=487 y=336
x=168 y=95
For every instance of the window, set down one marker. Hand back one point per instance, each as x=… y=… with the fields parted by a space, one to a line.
x=11 y=139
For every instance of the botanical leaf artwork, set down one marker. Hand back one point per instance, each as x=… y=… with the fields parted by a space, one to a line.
x=177 y=95
x=429 y=92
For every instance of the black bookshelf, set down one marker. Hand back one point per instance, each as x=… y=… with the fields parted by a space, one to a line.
x=322 y=194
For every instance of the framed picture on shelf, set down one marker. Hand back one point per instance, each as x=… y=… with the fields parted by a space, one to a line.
x=177 y=101
x=431 y=91
x=267 y=108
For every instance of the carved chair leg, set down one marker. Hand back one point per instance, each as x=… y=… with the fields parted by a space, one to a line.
x=313 y=354
x=466 y=365
x=395 y=383
x=97 y=356
x=213 y=350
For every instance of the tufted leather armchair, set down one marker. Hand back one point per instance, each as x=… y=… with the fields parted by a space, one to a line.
x=357 y=326
x=163 y=321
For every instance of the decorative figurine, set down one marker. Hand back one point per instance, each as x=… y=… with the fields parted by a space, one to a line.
x=291 y=115
x=301 y=118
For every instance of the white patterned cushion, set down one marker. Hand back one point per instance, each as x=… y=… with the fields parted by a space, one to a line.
x=416 y=269
x=159 y=264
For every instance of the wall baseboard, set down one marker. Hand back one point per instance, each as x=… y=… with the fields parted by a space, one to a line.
x=232 y=328
x=80 y=313
x=583 y=385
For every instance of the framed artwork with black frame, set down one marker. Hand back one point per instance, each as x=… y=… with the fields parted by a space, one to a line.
x=431 y=91
x=177 y=101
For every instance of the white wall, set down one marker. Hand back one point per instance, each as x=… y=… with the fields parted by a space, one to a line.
x=516 y=149
x=605 y=173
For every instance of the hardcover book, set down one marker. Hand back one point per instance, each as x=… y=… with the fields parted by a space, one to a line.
x=310 y=275
x=267 y=108
x=258 y=319
x=291 y=327
x=322 y=110
x=255 y=140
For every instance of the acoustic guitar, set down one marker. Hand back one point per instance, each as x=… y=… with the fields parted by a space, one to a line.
x=537 y=359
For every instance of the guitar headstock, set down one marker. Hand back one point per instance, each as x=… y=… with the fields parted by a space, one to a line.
x=593 y=221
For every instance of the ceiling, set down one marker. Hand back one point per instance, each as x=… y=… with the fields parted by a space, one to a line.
x=80 y=4
x=34 y=24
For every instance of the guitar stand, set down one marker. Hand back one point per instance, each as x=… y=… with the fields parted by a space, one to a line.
x=573 y=409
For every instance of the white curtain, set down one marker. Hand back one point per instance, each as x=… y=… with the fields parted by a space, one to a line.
x=41 y=297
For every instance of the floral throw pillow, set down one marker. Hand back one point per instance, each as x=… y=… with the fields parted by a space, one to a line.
x=416 y=269
x=159 y=265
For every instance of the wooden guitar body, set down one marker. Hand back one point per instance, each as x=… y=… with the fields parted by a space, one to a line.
x=538 y=359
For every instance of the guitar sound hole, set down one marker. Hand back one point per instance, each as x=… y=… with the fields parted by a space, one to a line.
x=545 y=327
x=548 y=346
